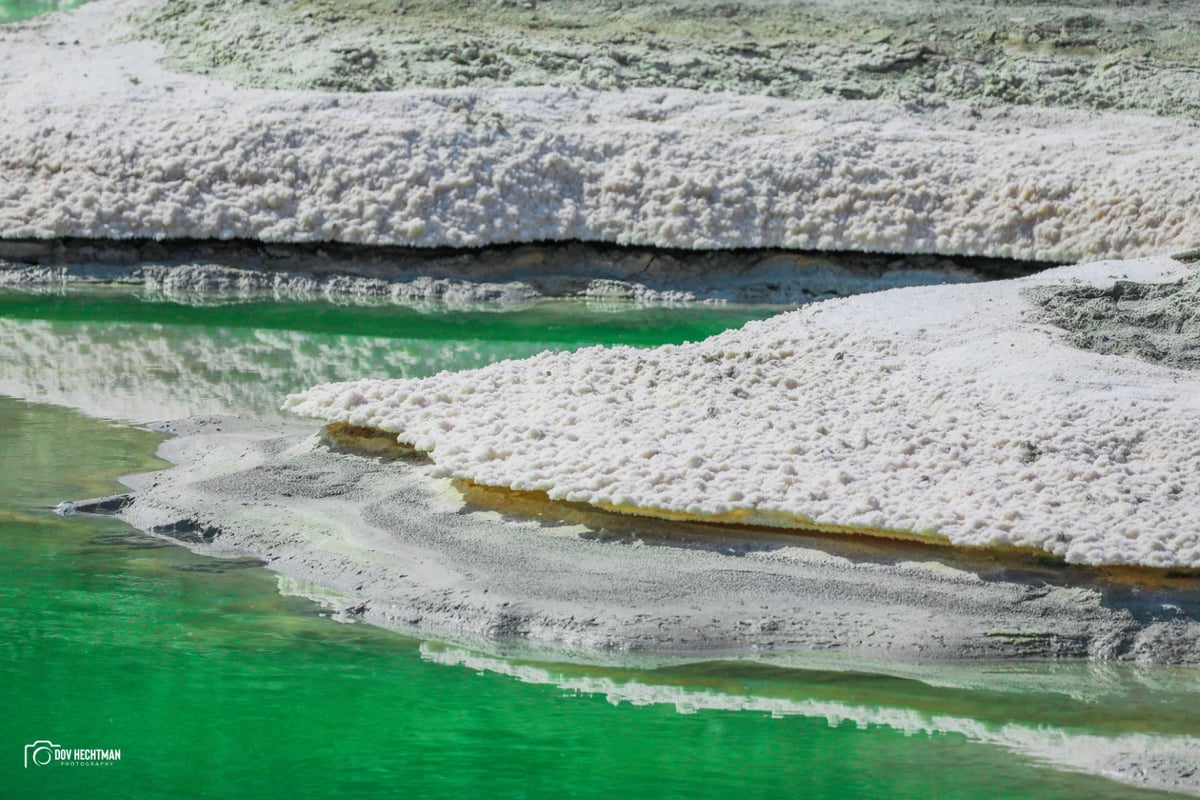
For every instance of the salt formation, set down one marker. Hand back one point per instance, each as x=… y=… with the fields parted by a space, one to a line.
x=947 y=412
x=138 y=151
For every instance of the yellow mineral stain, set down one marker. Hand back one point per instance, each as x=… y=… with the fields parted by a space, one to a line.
x=367 y=441
x=745 y=517
x=539 y=506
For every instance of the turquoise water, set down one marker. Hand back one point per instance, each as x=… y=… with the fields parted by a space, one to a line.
x=16 y=10
x=213 y=684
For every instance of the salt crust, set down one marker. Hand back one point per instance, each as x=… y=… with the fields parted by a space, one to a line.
x=101 y=141
x=947 y=411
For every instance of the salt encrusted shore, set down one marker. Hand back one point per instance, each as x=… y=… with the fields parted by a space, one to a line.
x=417 y=553
x=410 y=551
x=101 y=141
x=389 y=543
x=955 y=413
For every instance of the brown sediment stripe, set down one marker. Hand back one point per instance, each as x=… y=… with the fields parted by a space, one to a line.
x=376 y=442
x=753 y=518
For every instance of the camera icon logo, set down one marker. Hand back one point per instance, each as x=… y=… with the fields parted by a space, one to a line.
x=40 y=752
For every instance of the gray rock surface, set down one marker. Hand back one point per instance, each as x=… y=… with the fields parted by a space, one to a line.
x=1157 y=323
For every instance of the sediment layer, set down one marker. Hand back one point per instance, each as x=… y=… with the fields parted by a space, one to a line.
x=508 y=275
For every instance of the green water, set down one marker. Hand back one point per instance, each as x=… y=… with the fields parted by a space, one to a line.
x=563 y=323
x=16 y=10
x=213 y=684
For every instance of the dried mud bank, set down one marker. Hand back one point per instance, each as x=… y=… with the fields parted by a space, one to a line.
x=505 y=274
x=964 y=414
x=140 y=151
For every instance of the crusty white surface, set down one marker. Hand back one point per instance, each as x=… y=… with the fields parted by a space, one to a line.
x=100 y=141
x=908 y=410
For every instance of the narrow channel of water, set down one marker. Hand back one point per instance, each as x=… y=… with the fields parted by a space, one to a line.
x=214 y=684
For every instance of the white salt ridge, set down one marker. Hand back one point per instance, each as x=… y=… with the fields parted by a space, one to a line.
x=945 y=411
x=101 y=141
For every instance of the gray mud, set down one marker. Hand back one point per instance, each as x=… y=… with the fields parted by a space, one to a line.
x=1159 y=323
x=1108 y=54
x=502 y=273
x=414 y=554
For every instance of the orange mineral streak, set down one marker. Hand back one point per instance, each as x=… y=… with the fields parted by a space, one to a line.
x=747 y=517
x=380 y=443
x=539 y=505
x=362 y=440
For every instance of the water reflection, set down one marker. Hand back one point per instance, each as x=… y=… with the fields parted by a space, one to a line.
x=1161 y=760
x=146 y=373
x=132 y=357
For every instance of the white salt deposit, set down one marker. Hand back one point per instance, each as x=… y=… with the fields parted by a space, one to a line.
x=944 y=411
x=101 y=141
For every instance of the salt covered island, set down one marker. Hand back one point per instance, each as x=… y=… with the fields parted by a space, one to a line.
x=1059 y=413
x=1003 y=426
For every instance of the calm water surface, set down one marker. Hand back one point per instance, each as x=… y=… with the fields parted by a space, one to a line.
x=213 y=684
x=16 y=10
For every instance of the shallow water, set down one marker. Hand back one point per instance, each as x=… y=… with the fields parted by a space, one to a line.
x=16 y=10
x=209 y=680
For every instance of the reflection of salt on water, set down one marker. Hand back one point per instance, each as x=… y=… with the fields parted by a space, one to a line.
x=1154 y=760
x=328 y=599
x=147 y=373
